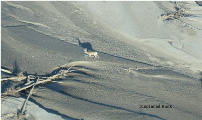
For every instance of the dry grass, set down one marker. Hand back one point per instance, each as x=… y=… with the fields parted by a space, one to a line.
x=180 y=12
x=13 y=92
x=19 y=77
x=171 y=16
x=58 y=73
x=9 y=116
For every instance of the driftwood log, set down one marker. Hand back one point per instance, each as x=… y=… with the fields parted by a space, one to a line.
x=32 y=81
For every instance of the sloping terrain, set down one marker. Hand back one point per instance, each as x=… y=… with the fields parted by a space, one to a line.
x=143 y=59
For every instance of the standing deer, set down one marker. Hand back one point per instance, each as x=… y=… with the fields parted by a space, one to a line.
x=91 y=53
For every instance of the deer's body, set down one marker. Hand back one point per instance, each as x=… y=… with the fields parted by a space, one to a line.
x=91 y=53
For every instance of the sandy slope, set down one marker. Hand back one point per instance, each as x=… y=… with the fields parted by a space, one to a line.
x=34 y=112
x=40 y=36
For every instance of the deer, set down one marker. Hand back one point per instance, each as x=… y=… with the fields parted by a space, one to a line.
x=91 y=53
